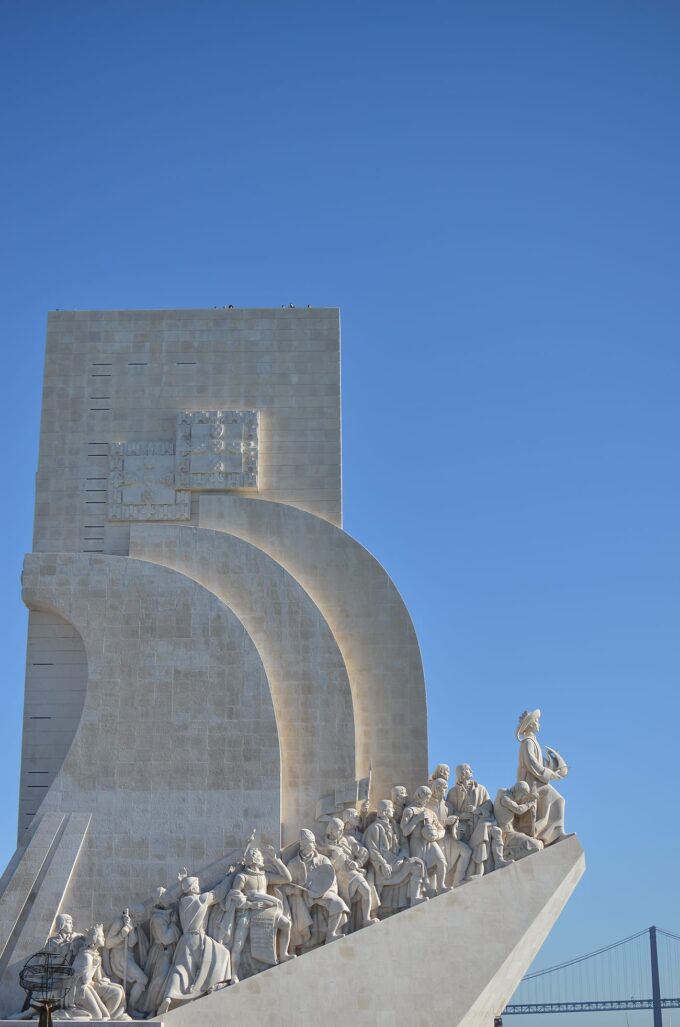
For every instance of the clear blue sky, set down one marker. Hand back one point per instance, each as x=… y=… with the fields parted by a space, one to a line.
x=489 y=191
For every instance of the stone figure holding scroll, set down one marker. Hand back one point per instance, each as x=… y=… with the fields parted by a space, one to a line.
x=538 y=771
x=201 y=963
x=257 y=916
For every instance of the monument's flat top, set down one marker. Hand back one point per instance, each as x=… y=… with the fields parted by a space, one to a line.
x=200 y=311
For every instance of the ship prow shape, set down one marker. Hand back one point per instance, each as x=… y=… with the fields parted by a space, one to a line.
x=456 y=959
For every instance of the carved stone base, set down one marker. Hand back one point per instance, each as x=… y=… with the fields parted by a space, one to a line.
x=481 y=938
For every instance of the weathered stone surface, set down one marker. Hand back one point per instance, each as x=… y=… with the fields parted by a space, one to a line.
x=481 y=938
x=304 y=667
x=176 y=755
x=369 y=622
x=49 y=889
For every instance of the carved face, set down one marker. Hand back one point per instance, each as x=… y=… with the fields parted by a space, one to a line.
x=256 y=858
x=464 y=772
x=422 y=794
x=65 y=924
x=399 y=795
x=439 y=788
x=350 y=818
x=95 y=935
x=307 y=843
x=385 y=810
x=334 y=829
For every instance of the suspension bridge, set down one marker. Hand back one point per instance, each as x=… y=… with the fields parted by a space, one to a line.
x=638 y=972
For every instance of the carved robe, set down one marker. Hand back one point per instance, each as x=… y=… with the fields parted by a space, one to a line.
x=91 y=992
x=164 y=934
x=516 y=844
x=386 y=848
x=201 y=963
x=550 y=806
x=307 y=931
x=479 y=829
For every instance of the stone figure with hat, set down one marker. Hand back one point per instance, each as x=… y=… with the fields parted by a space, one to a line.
x=201 y=964
x=313 y=897
x=539 y=770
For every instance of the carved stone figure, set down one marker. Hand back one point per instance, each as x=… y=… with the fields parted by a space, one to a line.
x=399 y=877
x=164 y=934
x=127 y=949
x=349 y=858
x=353 y=824
x=510 y=806
x=92 y=995
x=538 y=771
x=457 y=852
x=442 y=770
x=422 y=828
x=472 y=804
x=399 y=796
x=317 y=891
x=65 y=942
x=201 y=963
x=256 y=915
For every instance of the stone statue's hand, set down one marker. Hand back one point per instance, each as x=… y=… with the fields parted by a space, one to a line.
x=352 y=864
x=127 y=921
x=271 y=851
x=387 y=870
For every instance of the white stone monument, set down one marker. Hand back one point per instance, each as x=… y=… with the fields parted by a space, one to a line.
x=219 y=678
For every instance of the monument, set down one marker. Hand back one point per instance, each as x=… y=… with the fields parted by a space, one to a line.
x=226 y=811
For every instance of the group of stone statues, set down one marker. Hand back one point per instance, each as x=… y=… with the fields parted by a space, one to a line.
x=356 y=869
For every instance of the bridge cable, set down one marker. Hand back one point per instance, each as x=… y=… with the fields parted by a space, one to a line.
x=588 y=955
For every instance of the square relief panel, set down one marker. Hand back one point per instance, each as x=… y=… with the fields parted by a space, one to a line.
x=216 y=449
x=142 y=483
